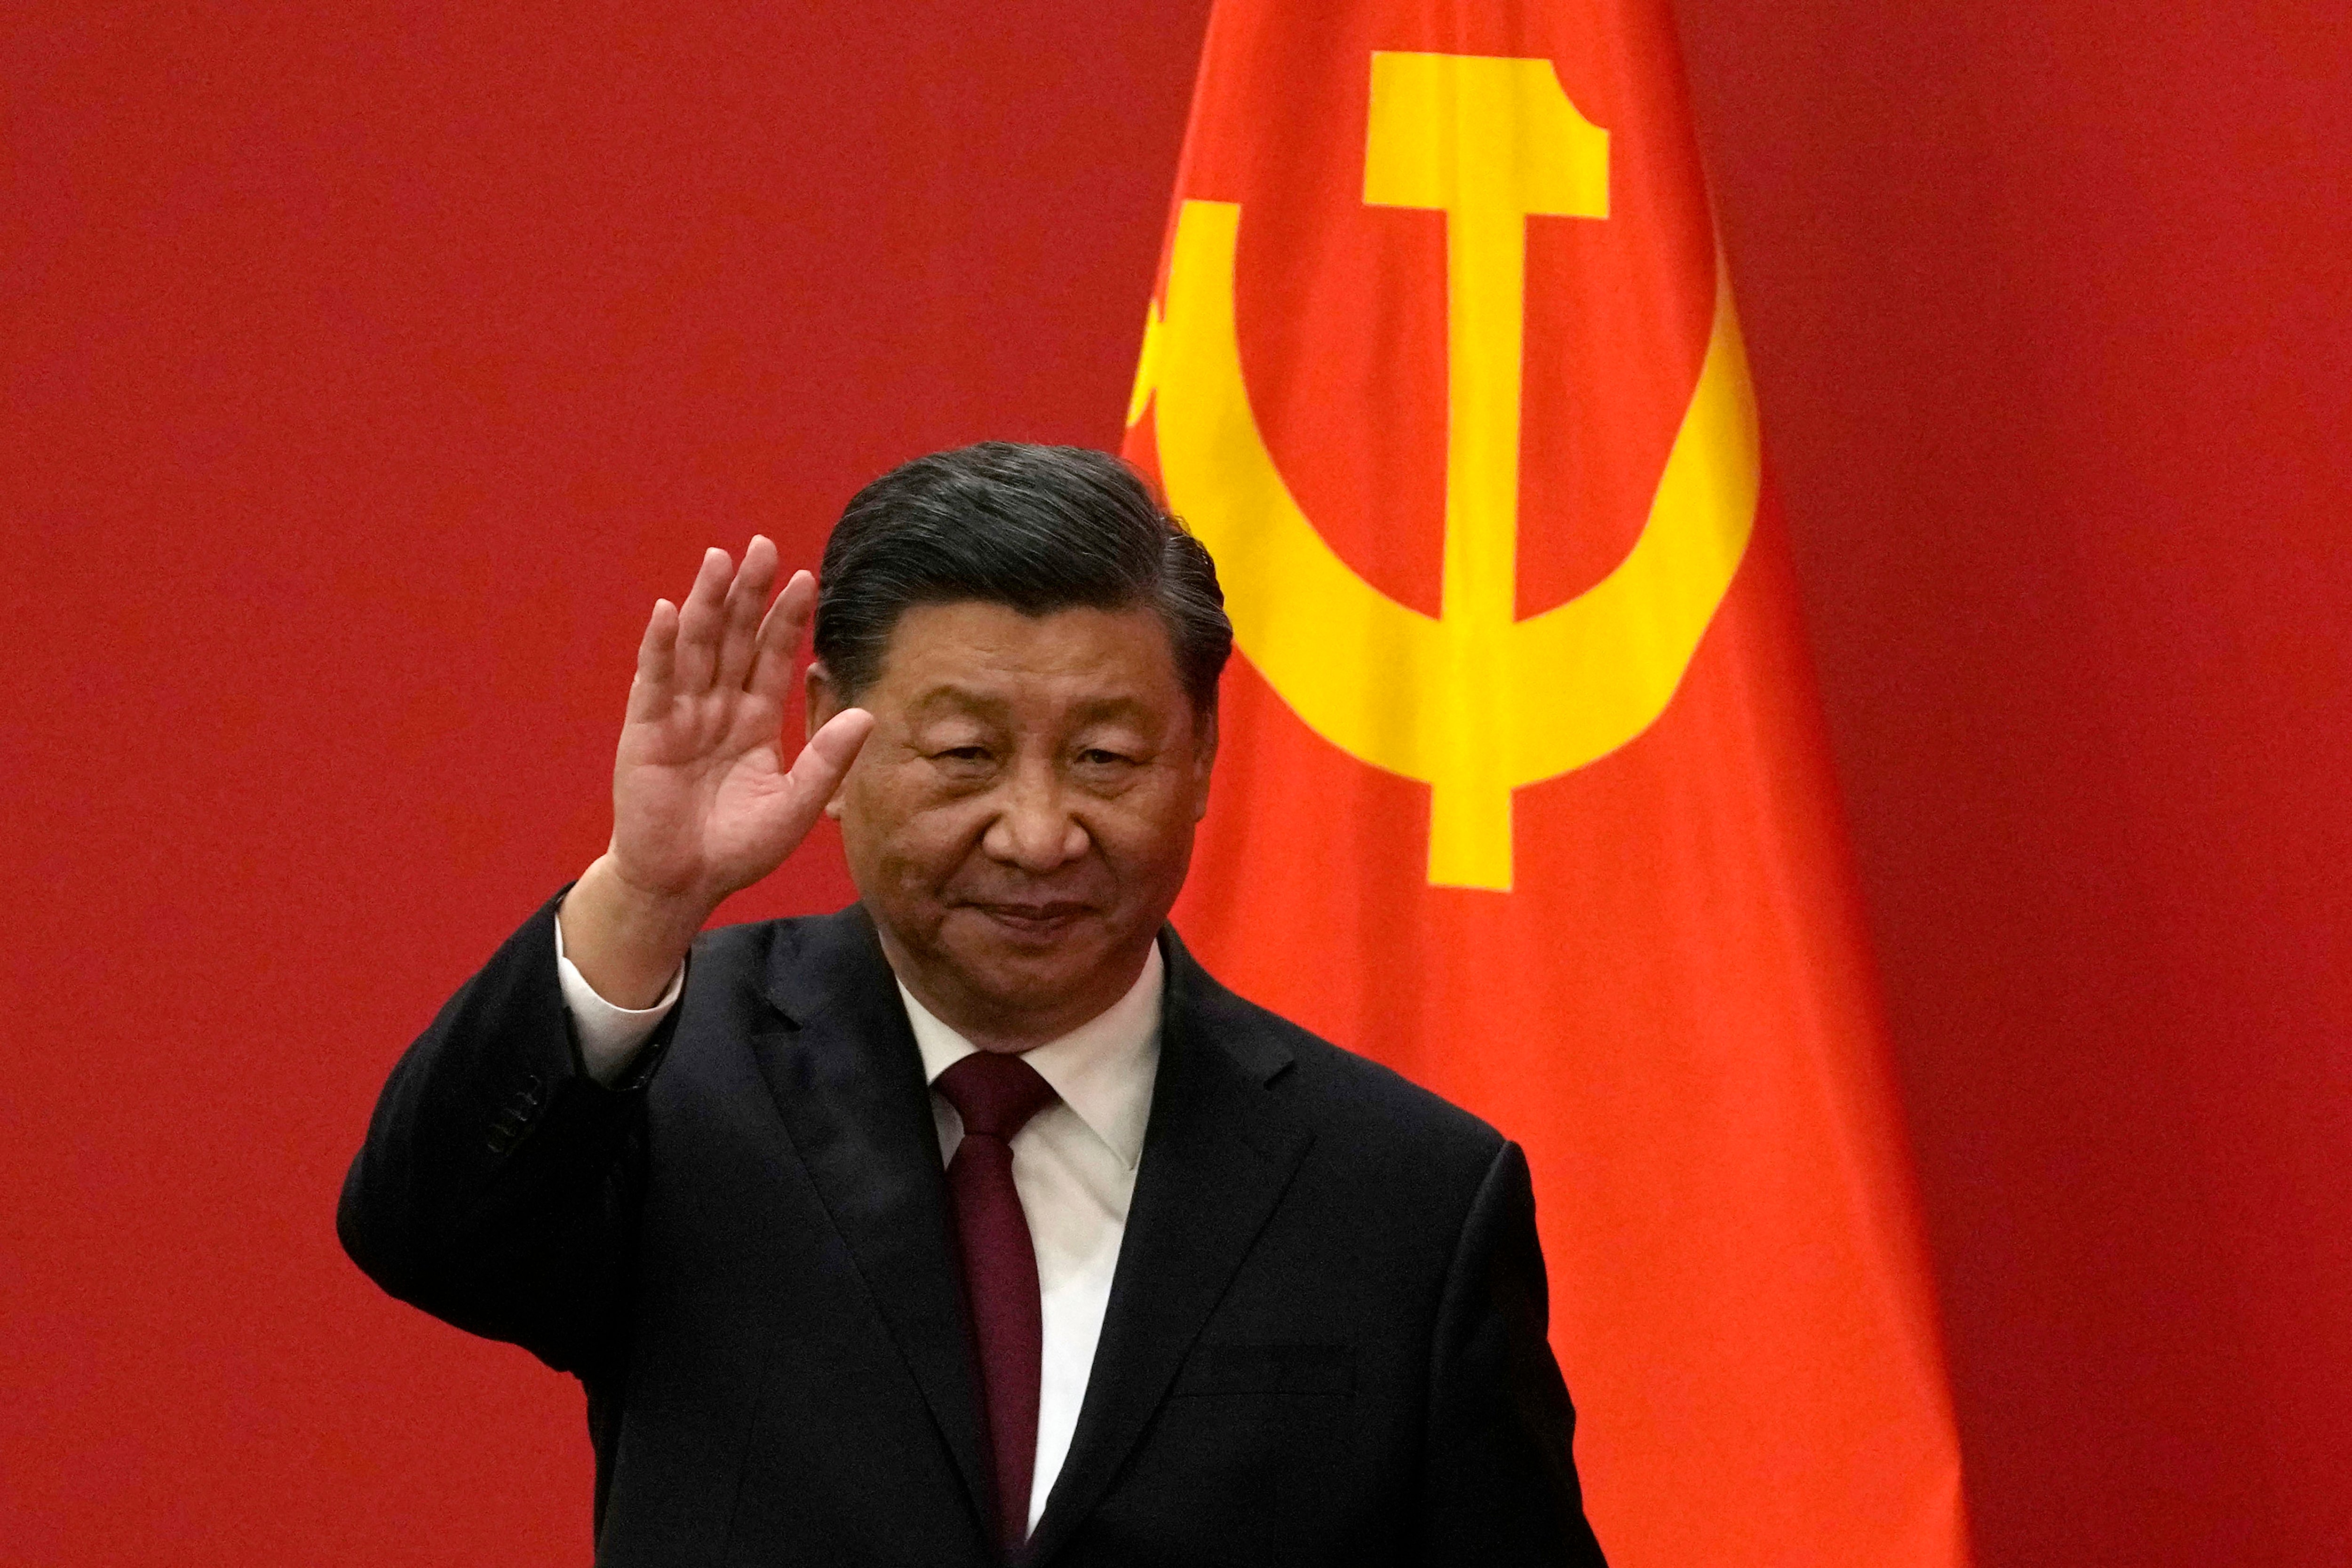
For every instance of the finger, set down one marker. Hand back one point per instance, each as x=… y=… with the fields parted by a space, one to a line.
x=698 y=623
x=656 y=658
x=745 y=598
x=780 y=638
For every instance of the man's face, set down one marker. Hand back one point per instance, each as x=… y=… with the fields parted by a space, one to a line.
x=1020 y=819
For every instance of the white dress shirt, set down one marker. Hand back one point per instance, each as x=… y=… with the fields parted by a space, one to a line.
x=1073 y=1163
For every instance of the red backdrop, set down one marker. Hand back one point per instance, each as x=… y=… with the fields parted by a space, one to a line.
x=370 y=369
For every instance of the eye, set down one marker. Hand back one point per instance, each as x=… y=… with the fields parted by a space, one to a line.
x=1102 y=757
x=967 y=764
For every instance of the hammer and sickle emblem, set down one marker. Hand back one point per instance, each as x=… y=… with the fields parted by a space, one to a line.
x=1475 y=702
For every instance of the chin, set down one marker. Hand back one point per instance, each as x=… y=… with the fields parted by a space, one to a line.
x=1012 y=964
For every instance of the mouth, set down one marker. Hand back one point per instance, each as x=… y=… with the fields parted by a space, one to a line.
x=1034 y=920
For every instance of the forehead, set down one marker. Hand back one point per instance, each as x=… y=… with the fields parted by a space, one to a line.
x=972 y=652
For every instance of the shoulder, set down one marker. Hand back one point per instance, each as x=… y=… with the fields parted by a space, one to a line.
x=809 y=936
x=1360 y=1111
x=798 y=951
x=1345 y=1085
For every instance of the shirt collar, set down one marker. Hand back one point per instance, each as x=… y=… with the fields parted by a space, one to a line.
x=1103 y=1070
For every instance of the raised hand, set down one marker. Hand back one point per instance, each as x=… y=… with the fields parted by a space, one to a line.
x=702 y=803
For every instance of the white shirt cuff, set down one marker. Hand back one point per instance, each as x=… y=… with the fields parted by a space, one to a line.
x=609 y=1036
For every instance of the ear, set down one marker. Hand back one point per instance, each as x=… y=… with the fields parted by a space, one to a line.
x=825 y=700
x=824 y=697
x=1205 y=758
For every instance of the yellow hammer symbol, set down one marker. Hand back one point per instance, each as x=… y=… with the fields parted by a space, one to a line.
x=1476 y=703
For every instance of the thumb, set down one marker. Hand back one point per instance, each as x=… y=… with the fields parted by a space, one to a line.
x=817 y=771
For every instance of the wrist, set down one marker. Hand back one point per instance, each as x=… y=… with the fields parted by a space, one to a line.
x=642 y=906
x=627 y=940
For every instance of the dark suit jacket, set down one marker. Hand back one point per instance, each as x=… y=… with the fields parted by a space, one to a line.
x=1325 y=1341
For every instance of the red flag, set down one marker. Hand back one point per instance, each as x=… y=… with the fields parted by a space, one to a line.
x=1523 y=790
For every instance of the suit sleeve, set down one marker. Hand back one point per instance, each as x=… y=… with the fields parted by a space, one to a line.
x=499 y=1185
x=1500 y=1485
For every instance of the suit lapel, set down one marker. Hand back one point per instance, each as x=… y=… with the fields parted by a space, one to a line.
x=1218 y=1155
x=848 y=1081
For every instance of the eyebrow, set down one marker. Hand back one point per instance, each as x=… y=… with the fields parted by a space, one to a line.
x=956 y=699
x=1106 y=708
x=964 y=700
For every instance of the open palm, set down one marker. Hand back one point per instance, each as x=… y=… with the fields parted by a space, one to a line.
x=703 y=803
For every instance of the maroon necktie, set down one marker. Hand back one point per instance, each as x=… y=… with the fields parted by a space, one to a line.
x=994 y=1095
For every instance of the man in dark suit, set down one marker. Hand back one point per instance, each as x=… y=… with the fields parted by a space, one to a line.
x=974 y=1223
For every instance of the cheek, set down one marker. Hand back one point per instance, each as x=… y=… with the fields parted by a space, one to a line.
x=913 y=836
x=1147 y=836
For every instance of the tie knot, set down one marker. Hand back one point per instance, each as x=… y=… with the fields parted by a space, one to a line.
x=994 y=1094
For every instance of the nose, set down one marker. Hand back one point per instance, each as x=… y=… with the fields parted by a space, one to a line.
x=1034 y=829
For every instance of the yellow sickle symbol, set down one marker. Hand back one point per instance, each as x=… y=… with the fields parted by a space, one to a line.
x=1476 y=703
